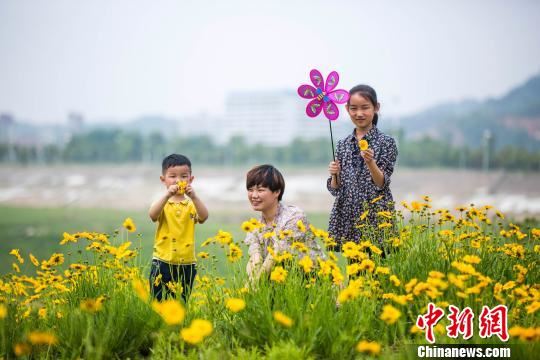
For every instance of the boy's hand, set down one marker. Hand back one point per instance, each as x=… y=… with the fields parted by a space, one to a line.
x=172 y=190
x=367 y=155
x=334 y=168
x=190 y=192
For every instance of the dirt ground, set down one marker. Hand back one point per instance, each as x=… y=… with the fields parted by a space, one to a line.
x=223 y=189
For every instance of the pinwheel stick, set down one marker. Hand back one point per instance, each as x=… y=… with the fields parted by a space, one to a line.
x=333 y=152
x=332 y=140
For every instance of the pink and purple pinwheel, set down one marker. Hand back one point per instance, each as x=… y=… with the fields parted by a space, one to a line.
x=323 y=94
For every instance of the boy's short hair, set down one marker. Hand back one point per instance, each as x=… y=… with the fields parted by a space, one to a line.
x=174 y=160
x=267 y=176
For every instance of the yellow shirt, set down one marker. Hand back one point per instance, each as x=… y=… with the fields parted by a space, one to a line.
x=175 y=235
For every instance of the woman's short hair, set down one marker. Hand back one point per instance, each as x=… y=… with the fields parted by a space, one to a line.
x=267 y=176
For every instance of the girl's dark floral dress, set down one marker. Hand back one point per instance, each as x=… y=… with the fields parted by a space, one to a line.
x=357 y=189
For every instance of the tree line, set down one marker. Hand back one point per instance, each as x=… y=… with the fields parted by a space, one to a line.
x=118 y=146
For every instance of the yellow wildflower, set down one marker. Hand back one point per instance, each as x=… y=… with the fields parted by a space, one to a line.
x=42 y=338
x=306 y=263
x=141 y=289
x=301 y=227
x=235 y=304
x=16 y=267
x=129 y=225
x=282 y=319
x=363 y=145
x=22 y=349
x=279 y=274
x=235 y=253
x=91 y=305
x=377 y=199
x=394 y=279
x=182 y=185
x=301 y=247
x=197 y=331
x=171 y=311
x=15 y=252
x=369 y=347
x=247 y=226
x=390 y=314
x=42 y=313
x=3 y=311
x=364 y=215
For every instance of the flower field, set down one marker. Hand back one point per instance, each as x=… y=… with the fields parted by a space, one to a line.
x=91 y=300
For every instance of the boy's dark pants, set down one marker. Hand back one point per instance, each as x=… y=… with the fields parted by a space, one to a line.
x=183 y=274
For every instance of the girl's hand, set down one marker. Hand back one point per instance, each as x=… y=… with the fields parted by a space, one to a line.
x=172 y=190
x=334 y=168
x=367 y=155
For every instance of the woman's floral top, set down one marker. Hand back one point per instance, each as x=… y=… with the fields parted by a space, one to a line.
x=281 y=235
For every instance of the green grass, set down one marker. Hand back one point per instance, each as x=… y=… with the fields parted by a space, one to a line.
x=39 y=230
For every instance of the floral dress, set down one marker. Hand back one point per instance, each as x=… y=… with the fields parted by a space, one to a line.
x=357 y=192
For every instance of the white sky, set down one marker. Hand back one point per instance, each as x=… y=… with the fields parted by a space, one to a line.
x=126 y=58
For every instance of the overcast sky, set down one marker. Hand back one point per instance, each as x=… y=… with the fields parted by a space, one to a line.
x=126 y=58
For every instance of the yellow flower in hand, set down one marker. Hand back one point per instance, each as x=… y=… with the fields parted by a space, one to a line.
x=363 y=145
x=181 y=187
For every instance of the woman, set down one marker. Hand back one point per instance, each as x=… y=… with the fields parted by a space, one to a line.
x=265 y=186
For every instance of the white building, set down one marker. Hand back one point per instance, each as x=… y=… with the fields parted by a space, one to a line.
x=275 y=118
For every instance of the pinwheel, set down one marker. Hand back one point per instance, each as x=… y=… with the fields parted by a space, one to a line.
x=324 y=98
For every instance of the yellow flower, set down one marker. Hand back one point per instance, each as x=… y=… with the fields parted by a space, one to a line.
x=171 y=311
x=369 y=347
x=224 y=237
x=382 y=270
x=306 y=263
x=471 y=259
x=21 y=349
x=3 y=311
x=301 y=247
x=367 y=265
x=390 y=314
x=34 y=260
x=377 y=199
x=347 y=294
x=197 y=331
x=191 y=336
x=15 y=252
x=283 y=319
x=235 y=304
x=363 y=145
x=394 y=279
x=247 y=226
x=181 y=187
x=279 y=274
x=235 y=253
x=301 y=227
x=364 y=215
x=129 y=225
x=203 y=255
x=42 y=313
x=533 y=307
x=141 y=289
x=91 y=305
x=16 y=267
x=384 y=225
x=42 y=338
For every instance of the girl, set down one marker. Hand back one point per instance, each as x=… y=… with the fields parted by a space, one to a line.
x=360 y=178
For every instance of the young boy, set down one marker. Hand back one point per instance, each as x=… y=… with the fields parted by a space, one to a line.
x=174 y=245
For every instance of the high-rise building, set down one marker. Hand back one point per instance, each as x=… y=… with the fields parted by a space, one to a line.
x=274 y=118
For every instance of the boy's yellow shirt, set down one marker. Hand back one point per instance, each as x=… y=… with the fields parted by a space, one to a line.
x=175 y=235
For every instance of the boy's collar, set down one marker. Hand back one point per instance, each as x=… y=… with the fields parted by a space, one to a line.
x=183 y=202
